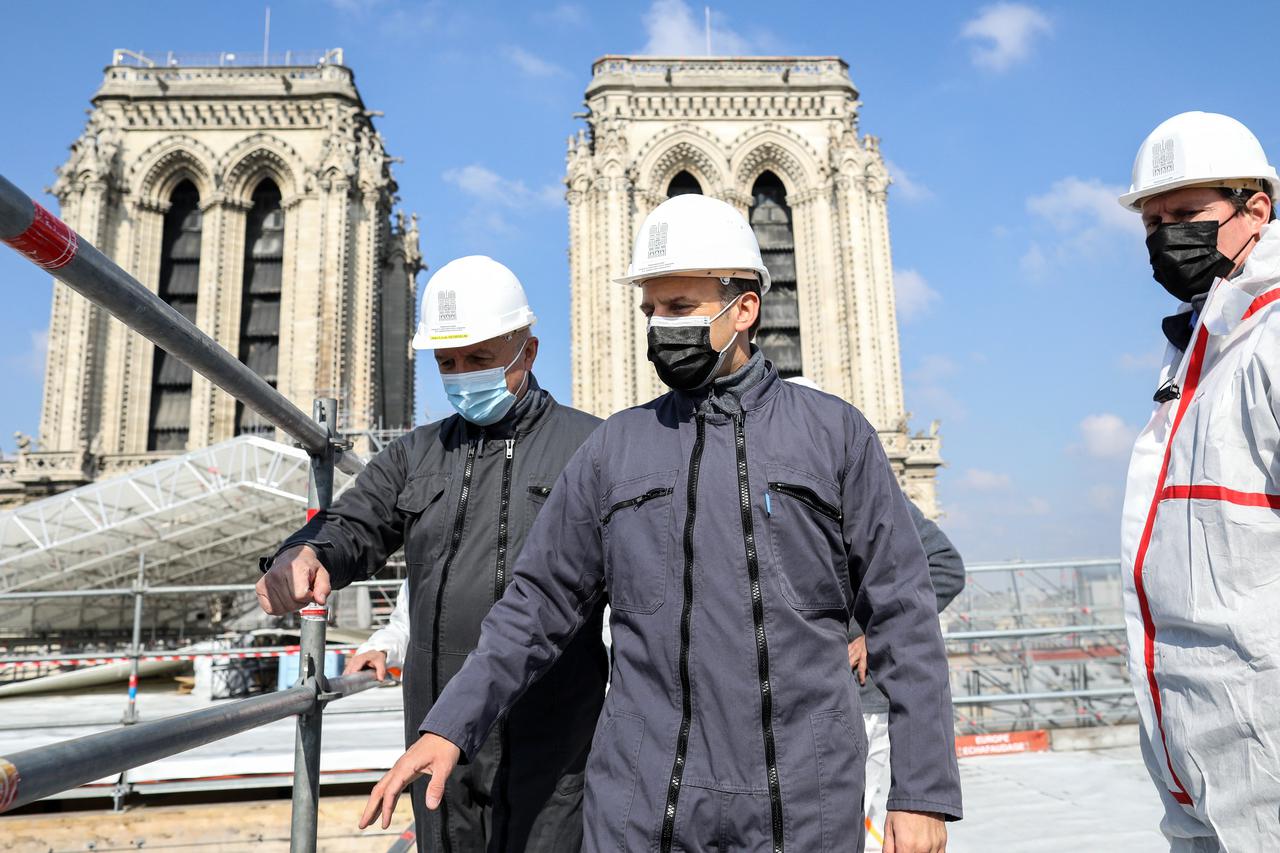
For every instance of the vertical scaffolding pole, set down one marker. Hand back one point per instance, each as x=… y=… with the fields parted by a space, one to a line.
x=139 y=585
x=306 y=757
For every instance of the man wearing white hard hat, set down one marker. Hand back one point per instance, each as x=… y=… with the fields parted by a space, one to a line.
x=733 y=525
x=1201 y=531
x=460 y=495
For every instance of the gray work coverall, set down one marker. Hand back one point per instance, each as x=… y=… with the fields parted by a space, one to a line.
x=732 y=550
x=461 y=500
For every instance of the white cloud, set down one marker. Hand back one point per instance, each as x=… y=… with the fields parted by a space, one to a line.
x=1104 y=498
x=31 y=362
x=533 y=65
x=982 y=480
x=914 y=295
x=1074 y=204
x=1034 y=263
x=674 y=30
x=486 y=185
x=934 y=368
x=1004 y=33
x=907 y=187
x=1038 y=506
x=354 y=6
x=1107 y=436
x=567 y=14
x=929 y=391
x=1085 y=221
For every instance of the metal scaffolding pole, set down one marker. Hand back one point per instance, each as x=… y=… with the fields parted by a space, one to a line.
x=47 y=770
x=306 y=757
x=52 y=245
x=131 y=711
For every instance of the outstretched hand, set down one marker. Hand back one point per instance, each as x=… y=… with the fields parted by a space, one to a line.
x=374 y=659
x=431 y=756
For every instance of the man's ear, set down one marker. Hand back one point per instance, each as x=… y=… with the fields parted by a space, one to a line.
x=530 y=352
x=748 y=311
x=1259 y=208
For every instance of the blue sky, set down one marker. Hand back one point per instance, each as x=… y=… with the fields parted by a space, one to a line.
x=1029 y=318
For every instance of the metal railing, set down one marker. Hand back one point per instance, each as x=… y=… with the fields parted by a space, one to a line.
x=225 y=58
x=1039 y=645
x=37 y=773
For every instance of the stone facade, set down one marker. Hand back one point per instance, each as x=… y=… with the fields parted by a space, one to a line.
x=779 y=139
x=333 y=273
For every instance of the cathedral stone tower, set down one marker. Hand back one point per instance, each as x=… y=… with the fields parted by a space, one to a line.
x=257 y=199
x=778 y=138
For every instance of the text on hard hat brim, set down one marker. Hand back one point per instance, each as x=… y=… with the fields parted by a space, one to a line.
x=425 y=340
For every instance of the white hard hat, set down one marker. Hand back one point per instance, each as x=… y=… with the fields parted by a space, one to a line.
x=695 y=234
x=470 y=300
x=1198 y=148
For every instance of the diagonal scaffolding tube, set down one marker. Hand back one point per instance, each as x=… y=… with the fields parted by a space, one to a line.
x=46 y=770
x=52 y=245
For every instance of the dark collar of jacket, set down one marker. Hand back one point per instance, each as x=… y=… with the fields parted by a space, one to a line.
x=750 y=396
x=1179 y=327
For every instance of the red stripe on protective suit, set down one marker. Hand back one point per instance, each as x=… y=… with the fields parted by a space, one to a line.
x=1261 y=302
x=1148 y=624
x=48 y=241
x=1219 y=493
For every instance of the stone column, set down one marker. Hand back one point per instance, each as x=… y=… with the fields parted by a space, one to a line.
x=132 y=356
x=300 y=298
x=881 y=296
x=213 y=411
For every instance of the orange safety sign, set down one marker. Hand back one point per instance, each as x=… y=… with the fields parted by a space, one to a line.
x=1002 y=743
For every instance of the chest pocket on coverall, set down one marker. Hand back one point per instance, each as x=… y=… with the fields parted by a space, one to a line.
x=636 y=525
x=805 y=531
x=426 y=518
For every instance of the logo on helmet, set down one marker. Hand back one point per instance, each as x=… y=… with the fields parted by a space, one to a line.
x=1162 y=158
x=447 y=307
x=657 y=239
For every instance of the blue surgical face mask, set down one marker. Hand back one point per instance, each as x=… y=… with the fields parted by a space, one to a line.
x=481 y=396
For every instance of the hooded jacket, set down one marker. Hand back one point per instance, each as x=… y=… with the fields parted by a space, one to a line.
x=732 y=549
x=461 y=499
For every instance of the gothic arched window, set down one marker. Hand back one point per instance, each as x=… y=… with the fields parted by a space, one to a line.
x=683 y=184
x=779 y=334
x=260 y=297
x=179 y=285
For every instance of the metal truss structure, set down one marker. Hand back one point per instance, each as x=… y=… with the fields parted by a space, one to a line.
x=202 y=517
x=1039 y=645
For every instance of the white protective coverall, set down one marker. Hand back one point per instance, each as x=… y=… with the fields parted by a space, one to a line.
x=1201 y=563
x=392 y=638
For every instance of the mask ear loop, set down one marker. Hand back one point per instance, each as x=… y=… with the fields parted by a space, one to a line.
x=524 y=382
x=1247 y=242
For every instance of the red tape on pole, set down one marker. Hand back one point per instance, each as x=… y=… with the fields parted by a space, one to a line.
x=48 y=242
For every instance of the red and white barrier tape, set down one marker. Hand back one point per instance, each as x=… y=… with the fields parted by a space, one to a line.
x=48 y=241
x=183 y=656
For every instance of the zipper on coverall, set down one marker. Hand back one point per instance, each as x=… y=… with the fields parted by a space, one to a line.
x=459 y=521
x=762 y=644
x=686 y=619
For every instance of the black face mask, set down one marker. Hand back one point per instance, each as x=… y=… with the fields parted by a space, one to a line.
x=1185 y=257
x=682 y=352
